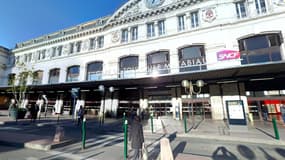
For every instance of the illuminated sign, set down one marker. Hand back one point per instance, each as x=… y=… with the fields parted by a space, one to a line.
x=227 y=55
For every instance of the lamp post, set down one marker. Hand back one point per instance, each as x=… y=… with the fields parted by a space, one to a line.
x=102 y=91
x=189 y=88
x=111 y=90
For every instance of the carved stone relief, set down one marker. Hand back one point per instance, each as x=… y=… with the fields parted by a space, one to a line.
x=209 y=14
x=135 y=10
x=115 y=36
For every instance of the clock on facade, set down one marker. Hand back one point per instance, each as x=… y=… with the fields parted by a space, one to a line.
x=153 y=3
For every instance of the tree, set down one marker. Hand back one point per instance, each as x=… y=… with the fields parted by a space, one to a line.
x=18 y=82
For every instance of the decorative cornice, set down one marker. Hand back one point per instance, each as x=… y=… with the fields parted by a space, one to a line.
x=106 y=23
x=84 y=29
x=116 y=20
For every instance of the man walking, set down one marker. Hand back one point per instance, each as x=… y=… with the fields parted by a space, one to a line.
x=136 y=137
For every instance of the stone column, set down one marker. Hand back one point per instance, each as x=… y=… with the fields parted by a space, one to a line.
x=111 y=103
x=176 y=102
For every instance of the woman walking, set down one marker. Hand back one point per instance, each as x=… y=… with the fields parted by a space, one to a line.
x=136 y=137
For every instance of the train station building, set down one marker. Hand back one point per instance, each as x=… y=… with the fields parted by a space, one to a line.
x=230 y=52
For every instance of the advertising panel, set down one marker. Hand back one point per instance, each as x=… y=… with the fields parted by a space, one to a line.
x=236 y=112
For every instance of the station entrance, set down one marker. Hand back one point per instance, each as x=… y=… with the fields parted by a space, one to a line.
x=160 y=105
x=197 y=107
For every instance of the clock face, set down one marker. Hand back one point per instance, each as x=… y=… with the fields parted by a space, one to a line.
x=153 y=3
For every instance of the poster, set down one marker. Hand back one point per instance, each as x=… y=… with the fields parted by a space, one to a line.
x=235 y=110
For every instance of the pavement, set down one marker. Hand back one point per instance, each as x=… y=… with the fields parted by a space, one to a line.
x=259 y=132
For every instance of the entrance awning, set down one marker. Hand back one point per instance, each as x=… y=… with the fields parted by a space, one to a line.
x=255 y=77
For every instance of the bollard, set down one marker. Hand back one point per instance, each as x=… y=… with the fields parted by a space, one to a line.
x=126 y=140
x=83 y=133
x=275 y=128
x=151 y=122
x=185 y=124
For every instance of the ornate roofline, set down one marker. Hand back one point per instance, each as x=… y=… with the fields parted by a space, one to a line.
x=107 y=22
x=122 y=10
x=114 y=21
x=73 y=32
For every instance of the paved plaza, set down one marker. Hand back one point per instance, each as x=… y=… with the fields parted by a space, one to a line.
x=207 y=139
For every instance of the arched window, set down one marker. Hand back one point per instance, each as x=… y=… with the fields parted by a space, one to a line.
x=192 y=58
x=260 y=48
x=128 y=66
x=158 y=63
x=94 y=71
x=54 y=76
x=38 y=77
x=72 y=74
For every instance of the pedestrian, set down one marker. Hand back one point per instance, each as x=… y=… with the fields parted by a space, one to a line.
x=34 y=111
x=12 y=106
x=264 y=112
x=80 y=115
x=136 y=137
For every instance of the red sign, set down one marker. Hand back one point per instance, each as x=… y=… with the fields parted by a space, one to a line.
x=227 y=55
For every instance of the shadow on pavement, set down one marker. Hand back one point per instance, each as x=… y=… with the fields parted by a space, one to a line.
x=221 y=153
x=179 y=148
x=266 y=155
x=268 y=134
x=246 y=152
x=172 y=137
x=7 y=148
x=280 y=151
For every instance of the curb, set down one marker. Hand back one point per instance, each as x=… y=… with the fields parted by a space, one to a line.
x=235 y=139
x=46 y=146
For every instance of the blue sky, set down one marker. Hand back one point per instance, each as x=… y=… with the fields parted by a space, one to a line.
x=22 y=20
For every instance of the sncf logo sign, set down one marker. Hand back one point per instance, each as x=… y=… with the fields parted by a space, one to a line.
x=228 y=55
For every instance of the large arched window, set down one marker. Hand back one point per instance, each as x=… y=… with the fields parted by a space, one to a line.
x=192 y=58
x=72 y=74
x=260 y=48
x=94 y=71
x=158 y=63
x=54 y=76
x=38 y=77
x=128 y=66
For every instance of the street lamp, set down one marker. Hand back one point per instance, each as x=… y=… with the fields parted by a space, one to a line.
x=189 y=88
x=111 y=90
x=101 y=88
x=102 y=115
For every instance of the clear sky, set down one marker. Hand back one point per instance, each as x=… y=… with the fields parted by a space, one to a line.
x=22 y=20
